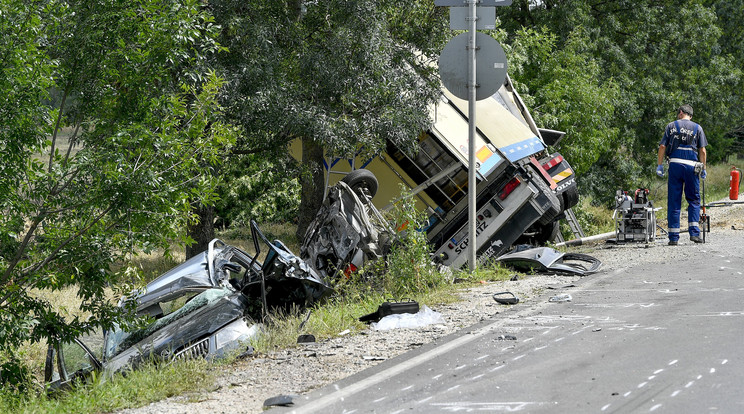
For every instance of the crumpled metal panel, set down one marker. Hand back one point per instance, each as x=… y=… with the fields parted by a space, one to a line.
x=292 y=280
x=341 y=228
x=191 y=275
x=547 y=260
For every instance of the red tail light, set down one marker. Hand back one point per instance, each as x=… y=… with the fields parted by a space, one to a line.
x=349 y=270
x=509 y=187
x=552 y=163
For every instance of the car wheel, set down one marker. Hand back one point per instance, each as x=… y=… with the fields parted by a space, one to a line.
x=359 y=179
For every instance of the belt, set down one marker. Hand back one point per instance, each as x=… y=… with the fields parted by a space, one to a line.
x=686 y=162
x=698 y=166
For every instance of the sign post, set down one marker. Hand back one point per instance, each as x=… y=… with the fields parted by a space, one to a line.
x=472 y=183
x=450 y=72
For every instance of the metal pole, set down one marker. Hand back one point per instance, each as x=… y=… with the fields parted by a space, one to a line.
x=471 y=136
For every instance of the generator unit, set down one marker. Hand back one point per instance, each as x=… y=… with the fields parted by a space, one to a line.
x=635 y=218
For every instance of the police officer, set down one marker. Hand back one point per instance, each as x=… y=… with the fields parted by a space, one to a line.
x=684 y=144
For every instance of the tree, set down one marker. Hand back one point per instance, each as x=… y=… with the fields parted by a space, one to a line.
x=112 y=168
x=656 y=55
x=339 y=75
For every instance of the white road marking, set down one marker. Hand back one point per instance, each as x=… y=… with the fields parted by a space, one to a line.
x=673 y=362
x=658 y=371
x=641 y=385
x=689 y=384
x=453 y=388
x=606 y=407
x=655 y=407
x=675 y=393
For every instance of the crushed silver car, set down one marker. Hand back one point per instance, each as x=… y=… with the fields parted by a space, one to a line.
x=348 y=231
x=209 y=306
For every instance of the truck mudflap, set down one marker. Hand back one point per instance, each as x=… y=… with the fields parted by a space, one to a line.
x=560 y=172
x=520 y=210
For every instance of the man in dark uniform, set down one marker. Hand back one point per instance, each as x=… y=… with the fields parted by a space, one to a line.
x=684 y=144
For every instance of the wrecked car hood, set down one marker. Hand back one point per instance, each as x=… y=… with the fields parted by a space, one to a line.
x=204 y=271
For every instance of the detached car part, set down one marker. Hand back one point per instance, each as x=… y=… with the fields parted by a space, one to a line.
x=547 y=260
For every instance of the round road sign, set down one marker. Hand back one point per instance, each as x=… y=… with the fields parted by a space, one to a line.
x=490 y=66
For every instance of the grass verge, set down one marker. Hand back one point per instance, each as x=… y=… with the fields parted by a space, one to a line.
x=150 y=382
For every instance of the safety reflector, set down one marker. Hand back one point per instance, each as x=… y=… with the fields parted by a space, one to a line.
x=562 y=175
x=508 y=188
x=553 y=162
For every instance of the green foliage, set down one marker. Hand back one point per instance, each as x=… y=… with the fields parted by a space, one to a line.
x=151 y=382
x=409 y=269
x=141 y=141
x=568 y=92
x=258 y=188
x=612 y=74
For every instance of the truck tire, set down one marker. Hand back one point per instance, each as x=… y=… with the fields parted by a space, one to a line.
x=548 y=232
x=361 y=178
x=555 y=204
x=570 y=197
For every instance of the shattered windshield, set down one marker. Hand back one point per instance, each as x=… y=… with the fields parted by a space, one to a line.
x=119 y=340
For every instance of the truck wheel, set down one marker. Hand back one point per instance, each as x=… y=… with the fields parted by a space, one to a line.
x=549 y=232
x=555 y=204
x=570 y=197
x=362 y=178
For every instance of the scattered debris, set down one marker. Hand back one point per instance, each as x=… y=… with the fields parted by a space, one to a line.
x=390 y=308
x=305 y=338
x=499 y=298
x=596 y=329
x=344 y=332
x=547 y=260
x=423 y=317
x=373 y=358
x=506 y=338
x=561 y=298
x=280 y=401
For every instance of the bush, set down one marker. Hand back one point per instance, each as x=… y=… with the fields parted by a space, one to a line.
x=410 y=270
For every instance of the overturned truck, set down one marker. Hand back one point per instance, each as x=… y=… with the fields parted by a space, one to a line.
x=522 y=191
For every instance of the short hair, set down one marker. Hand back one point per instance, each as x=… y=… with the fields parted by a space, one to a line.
x=686 y=109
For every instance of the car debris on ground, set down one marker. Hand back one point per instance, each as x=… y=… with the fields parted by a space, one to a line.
x=547 y=260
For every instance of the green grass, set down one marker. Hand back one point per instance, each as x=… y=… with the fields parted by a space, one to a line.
x=139 y=387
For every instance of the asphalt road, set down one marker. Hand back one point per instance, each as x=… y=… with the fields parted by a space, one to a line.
x=646 y=338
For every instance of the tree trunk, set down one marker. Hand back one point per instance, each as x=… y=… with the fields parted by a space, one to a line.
x=312 y=180
x=202 y=232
